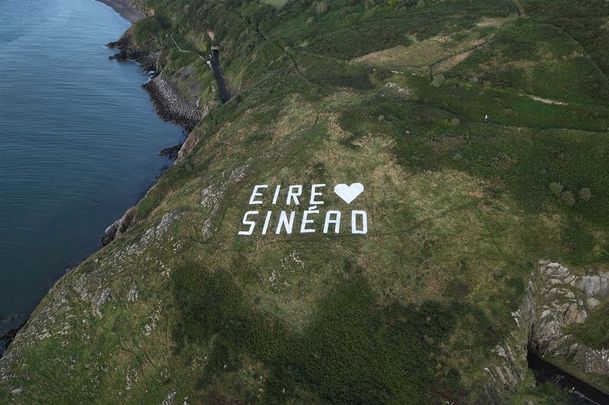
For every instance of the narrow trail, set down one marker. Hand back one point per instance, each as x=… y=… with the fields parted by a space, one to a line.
x=488 y=40
x=186 y=50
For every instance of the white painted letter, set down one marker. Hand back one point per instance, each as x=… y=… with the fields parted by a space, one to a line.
x=276 y=195
x=251 y=224
x=255 y=194
x=335 y=221
x=293 y=193
x=306 y=220
x=283 y=221
x=267 y=220
x=364 y=228
x=315 y=193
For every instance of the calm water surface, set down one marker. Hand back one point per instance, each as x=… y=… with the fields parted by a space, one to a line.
x=79 y=142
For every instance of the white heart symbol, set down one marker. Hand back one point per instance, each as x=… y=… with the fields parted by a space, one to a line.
x=349 y=193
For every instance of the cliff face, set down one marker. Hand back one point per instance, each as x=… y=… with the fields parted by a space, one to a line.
x=444 y=132
x=555 y=300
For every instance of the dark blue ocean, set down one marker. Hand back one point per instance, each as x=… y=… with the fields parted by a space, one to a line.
x=79 y=142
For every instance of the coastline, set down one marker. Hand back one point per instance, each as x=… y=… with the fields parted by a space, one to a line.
x=166 y=101
x=168 y=105
x=125 y=8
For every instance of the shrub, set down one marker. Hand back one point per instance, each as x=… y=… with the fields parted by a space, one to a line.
x=556 y=188
x=438 y=80
x=585 y=194
x=369 y=4
x=320 y=8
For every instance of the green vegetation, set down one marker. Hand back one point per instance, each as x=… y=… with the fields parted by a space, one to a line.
x=523 y=159
x=539 y=59
x=595 y=331
x=482 y=139
x=382 y=353
x=276 y=3
x=542 y=394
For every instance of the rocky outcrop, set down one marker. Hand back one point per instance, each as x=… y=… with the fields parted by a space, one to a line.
x=171 y=152
x=509 y=368
x=6 y=339
x=554 y=300
x=595 y=285
x=119 y=226
x=127 y=50
x=592 y=361
x=559 y=304
x=187 y=146
x=104 y=297
x=192 y=140
x=565 y=300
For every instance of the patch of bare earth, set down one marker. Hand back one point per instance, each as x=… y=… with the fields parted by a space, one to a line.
x=449 y=63
x=424 y=53
x=546 y=100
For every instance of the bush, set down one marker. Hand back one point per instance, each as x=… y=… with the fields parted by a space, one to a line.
x=568 y=198
x=556 y=188
x=320 y=8
x=585 y=194
x=438 y=80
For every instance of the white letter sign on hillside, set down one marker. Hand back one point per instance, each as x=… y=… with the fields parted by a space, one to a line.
x=285 y=214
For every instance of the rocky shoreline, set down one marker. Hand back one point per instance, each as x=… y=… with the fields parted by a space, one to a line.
x=7 y=338
x=168 y=104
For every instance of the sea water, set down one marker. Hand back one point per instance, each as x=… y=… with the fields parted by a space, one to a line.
x=79 y=142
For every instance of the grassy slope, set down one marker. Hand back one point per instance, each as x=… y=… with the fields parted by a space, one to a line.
x=459 y=204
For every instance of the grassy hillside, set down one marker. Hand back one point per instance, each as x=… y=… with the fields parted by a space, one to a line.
x=480 y=131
